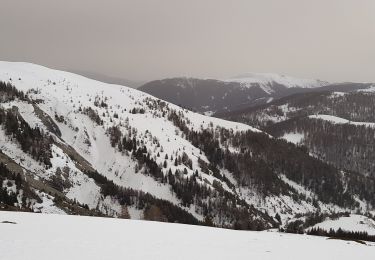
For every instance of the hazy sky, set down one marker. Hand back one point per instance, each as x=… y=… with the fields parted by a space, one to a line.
x=147 y=39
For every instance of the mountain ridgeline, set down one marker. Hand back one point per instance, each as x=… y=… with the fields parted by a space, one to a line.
x=210 y=95
x=71 y=145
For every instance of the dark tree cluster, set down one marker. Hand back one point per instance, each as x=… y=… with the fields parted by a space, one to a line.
x=59 y=118
x=187 y=188
x=8 y=199
x=60 y=180
x=114 y=135
x=32 y=140
x=93 y=115
x=342 y=234
x=122 y=142
x=8 y=92
x=137 y=110
x=100 y=102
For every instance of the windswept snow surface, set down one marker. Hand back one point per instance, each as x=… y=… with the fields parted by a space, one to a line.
x=351 y=223
x=40 y=236
x=339 y=120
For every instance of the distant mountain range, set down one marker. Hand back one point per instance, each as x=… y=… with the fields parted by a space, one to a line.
x=268 y=80
x=210 y=96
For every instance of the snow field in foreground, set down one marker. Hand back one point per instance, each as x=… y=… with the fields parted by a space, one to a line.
x=47 y=236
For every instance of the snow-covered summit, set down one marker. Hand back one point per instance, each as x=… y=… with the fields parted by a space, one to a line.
x=266 y=80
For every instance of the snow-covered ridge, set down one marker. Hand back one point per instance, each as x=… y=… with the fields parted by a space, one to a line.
x=339 y=120
x=65 y=94
x=40 y=236
x=36 y=76
x=266 y=79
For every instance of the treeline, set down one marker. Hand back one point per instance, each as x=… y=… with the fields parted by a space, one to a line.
x=341 y=234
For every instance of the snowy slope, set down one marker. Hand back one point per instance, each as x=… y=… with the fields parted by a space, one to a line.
x=39 y=236
x=351 y=223
x=64 y=93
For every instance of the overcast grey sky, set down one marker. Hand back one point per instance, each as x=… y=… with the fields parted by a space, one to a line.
x=146 y=39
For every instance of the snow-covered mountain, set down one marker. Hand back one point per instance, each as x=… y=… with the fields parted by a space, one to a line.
x=74 y=145
x=66 y=101
x=211 y=96
x=267 y=81
x=42 y=237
